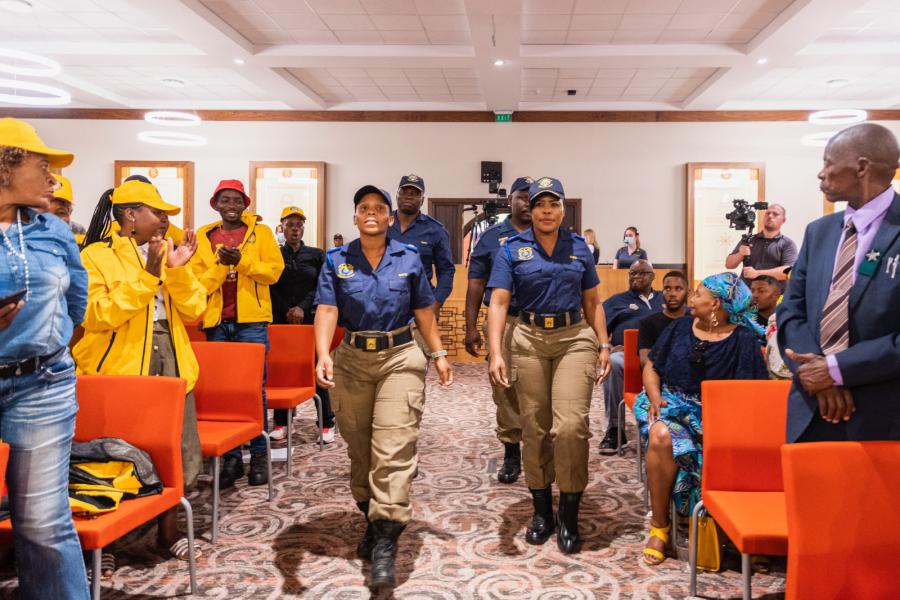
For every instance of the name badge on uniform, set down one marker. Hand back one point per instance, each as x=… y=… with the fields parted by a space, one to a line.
x=870 y=266
x=632 y=307
x=371 y=344
x=345 y=271
x=526 y=253
x=549 y=322
x=402 y=274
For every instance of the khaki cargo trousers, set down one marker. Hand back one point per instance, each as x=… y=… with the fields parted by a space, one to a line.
x=509 y=423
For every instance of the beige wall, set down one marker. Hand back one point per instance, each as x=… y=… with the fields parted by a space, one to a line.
x=627 y=173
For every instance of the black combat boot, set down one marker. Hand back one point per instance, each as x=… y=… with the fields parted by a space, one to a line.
x=364 y=549
x=567 y=521
x=384 y=552
x=512 y=464
x=542 y=521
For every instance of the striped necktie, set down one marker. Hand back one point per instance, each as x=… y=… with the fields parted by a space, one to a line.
x=835 y=324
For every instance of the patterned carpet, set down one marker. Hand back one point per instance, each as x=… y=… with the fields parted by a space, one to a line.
x=466 y=540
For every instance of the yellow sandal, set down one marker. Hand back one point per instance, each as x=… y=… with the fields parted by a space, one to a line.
x=653 y=557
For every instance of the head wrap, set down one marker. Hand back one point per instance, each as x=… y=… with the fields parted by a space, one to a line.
x=735 y=297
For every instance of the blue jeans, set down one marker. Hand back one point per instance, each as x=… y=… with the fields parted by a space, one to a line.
x=37 y=420
x=252 y=333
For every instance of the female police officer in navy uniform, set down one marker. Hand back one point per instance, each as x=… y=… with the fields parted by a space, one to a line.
x=374 y=288
x=548 y=273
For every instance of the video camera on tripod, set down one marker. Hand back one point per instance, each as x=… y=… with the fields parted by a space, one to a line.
x=743 y=217
x=492 y=174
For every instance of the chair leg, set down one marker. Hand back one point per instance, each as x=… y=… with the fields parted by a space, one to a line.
x=746 y=573
x=289 y=463
x=215 y=499
x=318 y=402
x=674 y=522
x=192 y=559
x=268 y=462
x=640 y=452
x=620 y=427
x=692 y=550
x=96 y=573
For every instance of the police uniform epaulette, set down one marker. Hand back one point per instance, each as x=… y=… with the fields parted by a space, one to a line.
x=336 y=249
x=430 y=218
x=577 y=237
x=514 y=238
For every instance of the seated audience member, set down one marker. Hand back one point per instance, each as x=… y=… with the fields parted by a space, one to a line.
x=292 y=302
x=237 y=260
x=590 y=236
x=675 y=293
x=140 y=288
x=625 y=311
x=719 y=340
x=766 y=292
x=631 y=251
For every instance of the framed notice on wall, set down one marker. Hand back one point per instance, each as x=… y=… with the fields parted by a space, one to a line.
x=173 y=179
x=711 y=191
x=833 y=207
x=277 y=184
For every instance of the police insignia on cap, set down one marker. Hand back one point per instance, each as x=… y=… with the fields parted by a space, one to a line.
x=526 y=253
x=546 y=182
x=345 y=271
x=412 y=178
x=529 y=180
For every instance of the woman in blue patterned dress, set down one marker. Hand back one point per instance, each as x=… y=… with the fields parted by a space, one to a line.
x=717 y=341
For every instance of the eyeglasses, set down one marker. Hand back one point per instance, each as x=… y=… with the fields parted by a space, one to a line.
x=697 y=352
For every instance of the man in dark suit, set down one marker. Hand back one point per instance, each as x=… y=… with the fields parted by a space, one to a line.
x=839 y=322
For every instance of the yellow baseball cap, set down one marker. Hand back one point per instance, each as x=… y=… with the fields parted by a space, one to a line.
x=19 y=134
x=65 y=189
x=292 y=210
x=138 y=192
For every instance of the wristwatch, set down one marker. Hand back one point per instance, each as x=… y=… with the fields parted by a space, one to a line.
x=606 y=346
x=437 y=354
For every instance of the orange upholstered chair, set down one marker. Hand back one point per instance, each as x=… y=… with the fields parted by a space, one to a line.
x=632 y=385
x=148 y=413
x=743 y=430
x=291 y=378
x=841 y=515
x=195 y=334
x=228 y=394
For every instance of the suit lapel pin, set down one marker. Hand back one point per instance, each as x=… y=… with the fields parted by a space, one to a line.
x=891 y=265
x=870 y=266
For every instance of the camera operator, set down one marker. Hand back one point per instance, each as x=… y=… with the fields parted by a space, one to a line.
x=770 y=252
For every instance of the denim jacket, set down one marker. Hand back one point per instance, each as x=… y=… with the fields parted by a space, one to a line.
x=57 y=282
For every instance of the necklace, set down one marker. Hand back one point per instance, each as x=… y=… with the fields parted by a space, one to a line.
x=21 y=252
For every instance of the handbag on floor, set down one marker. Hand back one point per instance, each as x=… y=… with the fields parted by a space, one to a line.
x=709 y=550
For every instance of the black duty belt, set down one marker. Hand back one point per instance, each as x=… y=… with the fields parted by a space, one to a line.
x=376 y=341
x=28 y=366
x=550 y=321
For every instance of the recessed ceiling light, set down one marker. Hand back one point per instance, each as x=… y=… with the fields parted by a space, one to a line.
x=173 y=82
x=17 y=6
x=837 y=83
x=239 y=61
x=838 y=116
x=499 y=62
x=46 y=95
x=762 y=61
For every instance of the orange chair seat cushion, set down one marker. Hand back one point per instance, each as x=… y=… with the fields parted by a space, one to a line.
x=107 y=528
x=629 y=399
x=218 y=437
x=288 y=397
x=755 y=521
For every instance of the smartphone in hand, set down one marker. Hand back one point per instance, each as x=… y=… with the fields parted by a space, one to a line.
x=13 y=298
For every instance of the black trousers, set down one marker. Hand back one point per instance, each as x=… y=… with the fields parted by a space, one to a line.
x=820 y=430
x=281 y=415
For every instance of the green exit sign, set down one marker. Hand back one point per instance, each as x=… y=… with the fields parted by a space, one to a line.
x=503 y=117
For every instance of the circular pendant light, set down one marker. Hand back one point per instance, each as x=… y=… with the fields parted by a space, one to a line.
x=48 y=95
x=838 y=116
x=39 y=66
x=171 y=138
x=171 y=118
x=818 y=139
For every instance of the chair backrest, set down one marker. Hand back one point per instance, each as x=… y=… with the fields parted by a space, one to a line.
x=194 y=333
x=842 y=519
x=146 y=412
x=229 y=387
x=633 y=382
x=337 y=338
x=291 y=358
x=744 y=425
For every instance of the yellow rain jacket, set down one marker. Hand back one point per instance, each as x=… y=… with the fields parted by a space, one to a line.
x=260 y=266
x=118 y=324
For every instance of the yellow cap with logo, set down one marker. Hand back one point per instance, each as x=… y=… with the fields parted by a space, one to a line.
x=138 y=192
x=19 y=134
x=65 y=189
x=287 y=211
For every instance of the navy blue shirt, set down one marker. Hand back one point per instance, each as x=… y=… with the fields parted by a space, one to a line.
x=432 y=241
x=625 y=311
x=624 y=259
x=482 y=259
x=379 y=300
x=544 y=284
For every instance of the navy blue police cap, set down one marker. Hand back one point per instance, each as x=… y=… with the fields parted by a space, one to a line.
x=371 y=189
x=522 y=183
x=412 y=181
x=545 y=185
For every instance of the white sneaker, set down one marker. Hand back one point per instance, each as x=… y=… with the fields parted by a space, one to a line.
x=327 y=435
x=279 y=433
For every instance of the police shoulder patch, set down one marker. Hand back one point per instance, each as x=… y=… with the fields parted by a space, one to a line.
x=526 y=253
x=345 y=271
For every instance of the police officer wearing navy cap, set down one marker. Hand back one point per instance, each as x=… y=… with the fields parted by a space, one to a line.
x=548 y=273
x=509 y=426
x=426 y=233
x=374 y=287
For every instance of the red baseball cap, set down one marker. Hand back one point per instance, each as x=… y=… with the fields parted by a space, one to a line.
x=230 y=184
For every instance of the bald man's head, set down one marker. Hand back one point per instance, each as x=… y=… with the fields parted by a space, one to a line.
x=859 y=163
